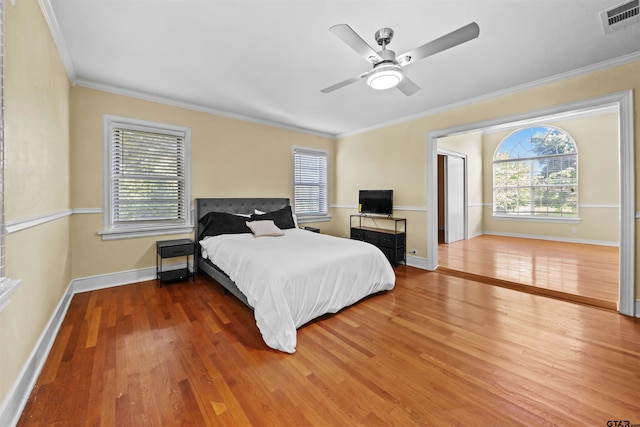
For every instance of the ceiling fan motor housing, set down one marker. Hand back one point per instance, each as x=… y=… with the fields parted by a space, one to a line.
x=387 y=56
x=384 y=36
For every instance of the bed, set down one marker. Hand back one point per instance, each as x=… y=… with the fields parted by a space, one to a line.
x=288 y=279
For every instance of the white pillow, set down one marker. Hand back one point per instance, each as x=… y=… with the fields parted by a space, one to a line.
x=264 y=228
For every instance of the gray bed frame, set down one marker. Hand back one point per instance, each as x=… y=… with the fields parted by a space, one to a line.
x=233 y=206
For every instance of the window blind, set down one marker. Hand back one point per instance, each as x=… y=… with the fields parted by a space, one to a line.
x=310 y=182
x=148 y=178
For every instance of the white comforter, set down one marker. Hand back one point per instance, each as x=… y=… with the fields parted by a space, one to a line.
x=292 y=279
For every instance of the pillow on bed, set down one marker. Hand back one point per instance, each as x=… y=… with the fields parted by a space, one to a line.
x=283 y=218
x=216 y=223
x=295 y=218
x=264 y=228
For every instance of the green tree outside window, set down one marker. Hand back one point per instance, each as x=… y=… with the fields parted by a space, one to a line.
x=535 y=173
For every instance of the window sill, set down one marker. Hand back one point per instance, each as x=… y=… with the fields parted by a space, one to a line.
x=133 y=234
x=537 y=219
x=309 y=219
x=7 y=288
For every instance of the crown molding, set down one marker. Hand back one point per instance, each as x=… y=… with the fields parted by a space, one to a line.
x=623 y=60
x=600 y=66
x=56 y=33
x=195 y=107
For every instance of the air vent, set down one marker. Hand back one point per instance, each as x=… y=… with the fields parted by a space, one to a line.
x=621 y=16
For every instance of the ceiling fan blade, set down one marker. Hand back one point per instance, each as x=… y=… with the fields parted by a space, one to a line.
x=454 y=38
x=343 y=83
x=407 y=86
x=355 y=42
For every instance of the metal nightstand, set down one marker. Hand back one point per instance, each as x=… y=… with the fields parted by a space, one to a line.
x=173 y=249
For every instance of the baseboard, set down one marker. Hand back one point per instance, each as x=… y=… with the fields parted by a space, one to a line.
x=553 y=238
x=19 y=393
x=110 y=280
x=637 y=311
x=416 y=261
x=475 y=234
x=16 y=399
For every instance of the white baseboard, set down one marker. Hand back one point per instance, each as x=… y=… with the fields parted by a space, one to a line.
x=110 y=280
x=16 y=399
x=416 y=261
x=553 y=238
x=19 y=393
x=103 y=281
x=476 y=234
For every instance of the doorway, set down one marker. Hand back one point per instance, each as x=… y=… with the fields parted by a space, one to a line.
x=623 y=103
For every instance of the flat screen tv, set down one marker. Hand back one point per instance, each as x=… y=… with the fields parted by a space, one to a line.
x=376 y=202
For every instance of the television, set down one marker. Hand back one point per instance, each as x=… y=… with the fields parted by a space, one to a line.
x=376 y=202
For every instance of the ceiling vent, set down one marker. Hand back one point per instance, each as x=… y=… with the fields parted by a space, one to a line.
x=621 y=16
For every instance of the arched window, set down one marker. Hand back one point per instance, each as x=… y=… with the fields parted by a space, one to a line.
x=535 y=174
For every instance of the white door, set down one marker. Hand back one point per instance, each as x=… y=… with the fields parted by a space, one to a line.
x=455 y=199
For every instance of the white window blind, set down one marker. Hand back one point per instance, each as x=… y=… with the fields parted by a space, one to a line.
x=148 y=175
x=310 y=181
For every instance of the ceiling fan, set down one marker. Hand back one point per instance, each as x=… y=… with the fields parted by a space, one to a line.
x=387 y=71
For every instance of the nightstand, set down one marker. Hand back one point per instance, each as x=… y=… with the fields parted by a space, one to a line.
x=173 y=249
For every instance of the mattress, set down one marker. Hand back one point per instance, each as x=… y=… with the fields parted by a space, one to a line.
x=292 y=279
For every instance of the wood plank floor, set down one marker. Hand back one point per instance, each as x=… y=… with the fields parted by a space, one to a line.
x=436 y=350
x=587 y=274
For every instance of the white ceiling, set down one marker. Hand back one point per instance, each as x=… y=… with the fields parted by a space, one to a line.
x=266 y=61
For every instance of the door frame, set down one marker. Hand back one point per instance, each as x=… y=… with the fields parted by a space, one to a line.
x=623 y=101
x=448 y=153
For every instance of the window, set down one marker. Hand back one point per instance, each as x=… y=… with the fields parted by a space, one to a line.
x=535 y=174
x=147 y=179
x=310 y=184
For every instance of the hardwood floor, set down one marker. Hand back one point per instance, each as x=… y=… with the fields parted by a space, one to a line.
x=436 y=350
x=587 y=274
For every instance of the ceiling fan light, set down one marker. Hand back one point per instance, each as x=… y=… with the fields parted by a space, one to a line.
x=385 y=76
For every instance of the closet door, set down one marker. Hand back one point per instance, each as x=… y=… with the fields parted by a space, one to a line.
x=455 y=199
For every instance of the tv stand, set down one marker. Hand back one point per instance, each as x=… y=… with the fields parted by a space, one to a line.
x=392 y=242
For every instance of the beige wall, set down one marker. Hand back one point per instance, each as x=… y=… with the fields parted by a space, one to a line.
x=399 y=151
x=36 y=182
x=389 y=158
x=54 y=163
x=597 y=140
x=598 y=189
x=229 y=158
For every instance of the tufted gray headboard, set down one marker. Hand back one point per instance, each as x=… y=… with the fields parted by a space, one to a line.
x=233 y=206
x=238 y=205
